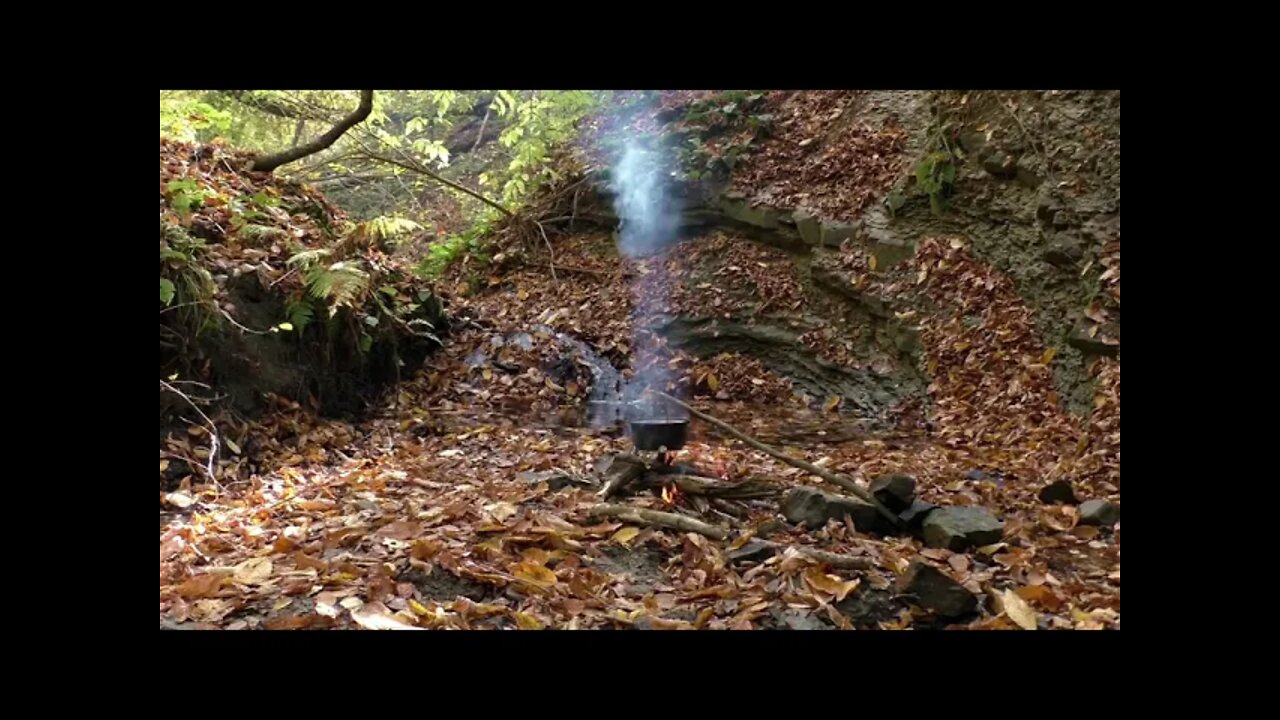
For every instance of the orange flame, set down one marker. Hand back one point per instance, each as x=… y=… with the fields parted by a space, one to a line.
x=670 y=494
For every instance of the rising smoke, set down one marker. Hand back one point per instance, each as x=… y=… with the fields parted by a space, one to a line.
x=649 y=215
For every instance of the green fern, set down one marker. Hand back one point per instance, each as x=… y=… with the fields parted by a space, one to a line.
x=307 y=258
x=301 y=313
x=261 y=232
x=341 y=284
x=385 y=228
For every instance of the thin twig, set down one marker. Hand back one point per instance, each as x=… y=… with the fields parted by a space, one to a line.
x=213 y=432
x=551 y=254
x=1026 y=134
x=232 y=320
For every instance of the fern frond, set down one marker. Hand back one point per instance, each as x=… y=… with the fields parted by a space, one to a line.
x=261 y=232
x=341 y=284
x=306 y=258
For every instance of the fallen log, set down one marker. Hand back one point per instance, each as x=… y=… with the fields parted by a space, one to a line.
x=839 y=480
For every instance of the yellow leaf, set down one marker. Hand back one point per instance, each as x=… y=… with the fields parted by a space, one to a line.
x=625 y=535
x=535 y=574
x=253 y=572
x=418 y=608
x=1018 y=610
x=525 y=621
x=713 y=382
x=376 y=616
x=829 y=584
x=832 y=403
x=231 y=444
x=1048 y=356
x=871 y=263
x=501 y=510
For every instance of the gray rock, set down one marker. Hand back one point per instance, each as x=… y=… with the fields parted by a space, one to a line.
x=960 y=528
x=809 y=227
x=1065 y=250
x=1061 y=219
x=1099 y=512
x=798 y=620
x=1095 y=344
x=753 y=551
x=742 y=211
x=936 y=591
x=813 y=508
x=1058 y=492
x=834 y=233
x=896 y=492
x=554 y=479
x=1000 y=164
x=1026 y=174
x=972 y=142
x=915 y=515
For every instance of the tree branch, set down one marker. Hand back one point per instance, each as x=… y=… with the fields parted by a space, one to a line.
x=271 y=162
x=415 y=167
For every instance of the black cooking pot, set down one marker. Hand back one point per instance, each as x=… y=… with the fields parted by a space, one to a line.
x=655 y=434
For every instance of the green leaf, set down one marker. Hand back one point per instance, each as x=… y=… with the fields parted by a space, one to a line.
x=287 y=327
x=167 y=290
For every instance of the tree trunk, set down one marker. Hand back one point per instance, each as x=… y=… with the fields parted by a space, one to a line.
x=267 y=163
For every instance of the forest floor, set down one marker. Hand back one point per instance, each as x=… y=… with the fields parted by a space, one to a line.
x=466 y=501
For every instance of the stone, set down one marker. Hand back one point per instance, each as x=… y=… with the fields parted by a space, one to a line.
x=960 y=528
x=1058 y=492
x=1105 y=341
x=808 y=225
x=1061 y=219
x=973 y=142
x=812 y=508
x=1099 y=512
x=915 y=515
x=753 y=551
x=555 y=479
x=742 y=211
x=1000 y=164
x=935 y=591
x=798 y=620
x=1065 y=250
x=1026 y=174
x=896 y=492
x=834 y=233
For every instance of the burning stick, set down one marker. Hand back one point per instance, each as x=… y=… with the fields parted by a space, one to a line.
x=641 y=516
x=840 y=480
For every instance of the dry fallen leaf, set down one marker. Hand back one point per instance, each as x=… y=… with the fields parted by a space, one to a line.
x=1018 y=610
x=376 y=616
x=625 y=535
x=534 y=574
x=500 y=511
x=202 y=586
x=253 y=572
x=525 y=621
x=830 y=584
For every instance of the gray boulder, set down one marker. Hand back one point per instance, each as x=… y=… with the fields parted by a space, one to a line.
x=960 y=528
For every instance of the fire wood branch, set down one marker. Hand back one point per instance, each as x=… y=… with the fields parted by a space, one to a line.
x=839 y=480
x=642 y=516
